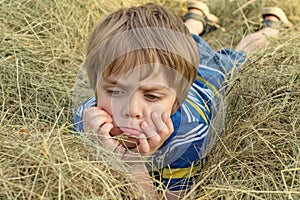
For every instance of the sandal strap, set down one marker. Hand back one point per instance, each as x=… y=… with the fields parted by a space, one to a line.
x=210 y=18
x=272 y=24
x=277 y=12
x=198 y=17
x=198 y=5
x=210 y=21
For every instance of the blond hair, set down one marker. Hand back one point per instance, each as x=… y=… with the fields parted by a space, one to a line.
x=147 y=34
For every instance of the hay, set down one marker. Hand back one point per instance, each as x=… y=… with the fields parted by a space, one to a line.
x=44 y=166
x=42 y=45
x=259 y=155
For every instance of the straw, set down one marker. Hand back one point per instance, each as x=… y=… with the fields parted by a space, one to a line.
x=42 y=46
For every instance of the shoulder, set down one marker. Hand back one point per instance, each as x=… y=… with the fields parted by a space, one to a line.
x=91 y=102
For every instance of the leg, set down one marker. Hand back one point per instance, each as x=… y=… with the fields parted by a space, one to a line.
x=257 y=40
x=273 y=17
x=195 y=26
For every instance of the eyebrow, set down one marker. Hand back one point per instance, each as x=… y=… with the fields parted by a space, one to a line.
x=153 y=87
x=148 y=87
x=110 y=81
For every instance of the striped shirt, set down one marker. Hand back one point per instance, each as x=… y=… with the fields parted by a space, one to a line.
x=197 y=123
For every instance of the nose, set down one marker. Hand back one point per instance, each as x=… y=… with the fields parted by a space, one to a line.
x=135 y=107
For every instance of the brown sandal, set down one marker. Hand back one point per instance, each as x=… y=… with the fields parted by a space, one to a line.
x=277 y=12
x=210 y=21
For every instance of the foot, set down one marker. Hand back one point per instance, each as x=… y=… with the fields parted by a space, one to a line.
x=273 y=19
x=199 y=20
x=195 y=26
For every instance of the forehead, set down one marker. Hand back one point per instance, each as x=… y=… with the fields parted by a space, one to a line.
x=141 y=75
x=143 y=61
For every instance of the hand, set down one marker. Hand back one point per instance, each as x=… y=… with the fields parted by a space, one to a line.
x=149 y=142
x=153 y=138
x=98 y=124
x=94 y=118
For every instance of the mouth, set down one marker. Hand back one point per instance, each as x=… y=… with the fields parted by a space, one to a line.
x=130 y=131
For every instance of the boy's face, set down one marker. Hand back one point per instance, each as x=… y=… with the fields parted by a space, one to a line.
x=130 y=100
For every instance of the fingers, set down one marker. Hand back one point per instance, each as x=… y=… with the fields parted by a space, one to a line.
x=94 y=117
x=158 y=121
x=105 y=129
x=150 y=133
x=154 y=137
x=102 y=135
x=163 y=124
x=168 y=121
x=143 y=144
x=143 y=147
x=99 y=124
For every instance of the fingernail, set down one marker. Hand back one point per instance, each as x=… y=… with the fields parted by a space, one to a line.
x=142 y=136
x=144 y=124
x=154 y=114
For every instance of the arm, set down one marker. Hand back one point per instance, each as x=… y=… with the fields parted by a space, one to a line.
x=98 y=122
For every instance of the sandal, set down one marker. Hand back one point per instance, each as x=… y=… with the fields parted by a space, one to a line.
x=210 y=21
x=277 y=12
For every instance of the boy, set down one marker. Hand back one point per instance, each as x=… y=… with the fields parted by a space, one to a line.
x=143 y=64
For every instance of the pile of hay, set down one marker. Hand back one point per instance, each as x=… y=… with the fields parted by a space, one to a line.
x=42 y=45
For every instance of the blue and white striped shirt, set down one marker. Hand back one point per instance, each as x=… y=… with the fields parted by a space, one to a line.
x=198 y=121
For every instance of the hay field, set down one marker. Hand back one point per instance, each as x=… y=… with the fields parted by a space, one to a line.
x=42 y=45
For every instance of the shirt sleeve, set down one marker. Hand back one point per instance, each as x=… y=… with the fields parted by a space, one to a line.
x=78 y=116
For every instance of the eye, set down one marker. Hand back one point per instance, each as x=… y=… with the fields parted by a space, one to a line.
x=114 y=92
x=152 y=97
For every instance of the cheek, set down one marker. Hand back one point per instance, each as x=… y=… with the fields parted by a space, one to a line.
x=112 y=106
x=105 y=104
x=169 y=106
x=115 y=109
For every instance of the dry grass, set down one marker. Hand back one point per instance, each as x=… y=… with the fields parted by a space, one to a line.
x=42 y=44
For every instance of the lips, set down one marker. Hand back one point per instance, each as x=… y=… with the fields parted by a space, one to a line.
x=131 y=131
